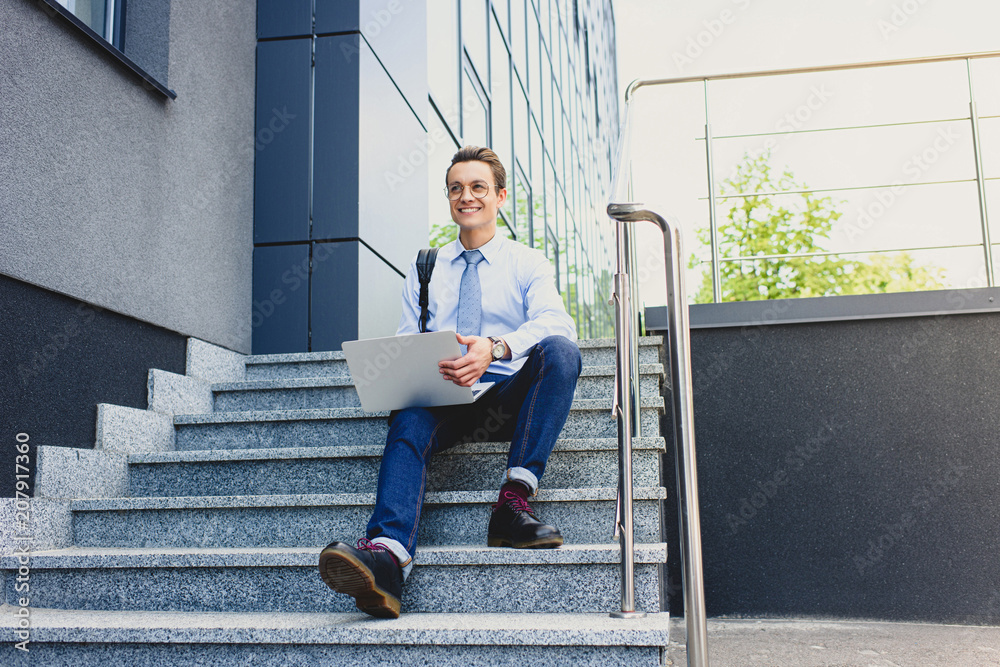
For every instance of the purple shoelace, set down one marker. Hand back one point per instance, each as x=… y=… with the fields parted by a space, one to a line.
x=364 y=544
x=515 y=502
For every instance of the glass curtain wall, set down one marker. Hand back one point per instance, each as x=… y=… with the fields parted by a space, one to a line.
x=534 y=80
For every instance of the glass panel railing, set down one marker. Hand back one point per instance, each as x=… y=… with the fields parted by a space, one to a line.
x=831 y=174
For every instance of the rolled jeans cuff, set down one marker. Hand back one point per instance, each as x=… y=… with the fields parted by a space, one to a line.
x=397 y=550
x=524 y=476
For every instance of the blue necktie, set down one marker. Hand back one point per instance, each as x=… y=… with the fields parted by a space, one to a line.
x=470 y=297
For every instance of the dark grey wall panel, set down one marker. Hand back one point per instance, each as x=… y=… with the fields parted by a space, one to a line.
x=850 y=469
x=60 y=357
x=147 y=36
x=397 y=32
x=335 y=158
x=837 y=309
x=281 y=179
x=280 y=299
x=337 y=15
x=284 y=18
x=334 y=304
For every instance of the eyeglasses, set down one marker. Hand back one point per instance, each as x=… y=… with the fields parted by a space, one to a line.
x=455 y=191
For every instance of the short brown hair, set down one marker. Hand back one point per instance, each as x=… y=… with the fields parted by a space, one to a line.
x=476 y=153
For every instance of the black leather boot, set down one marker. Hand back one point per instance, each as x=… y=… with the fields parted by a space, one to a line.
x=514 y=524
x=368 y=573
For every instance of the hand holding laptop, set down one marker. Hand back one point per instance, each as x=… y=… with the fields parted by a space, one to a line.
x=399 y=372
x=466 y=370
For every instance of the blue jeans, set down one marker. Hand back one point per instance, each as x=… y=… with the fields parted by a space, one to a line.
x=529 y=408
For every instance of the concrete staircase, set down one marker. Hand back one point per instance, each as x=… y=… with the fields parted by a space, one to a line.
x=191 y=533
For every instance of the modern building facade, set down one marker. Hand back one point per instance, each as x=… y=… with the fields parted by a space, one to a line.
x=260 y=175
x=378 y=96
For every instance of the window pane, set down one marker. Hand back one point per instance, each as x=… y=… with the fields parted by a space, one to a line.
x=500 y=94
x=517 y=48
x=474 y=115
x=532 y=65
x=502 y=11
x=92 y=12
x=545 y=96
x=442 y=228
x=442 y=56
x=520 y=124
x=543 y=19
x=474 y=33
x=522 y=208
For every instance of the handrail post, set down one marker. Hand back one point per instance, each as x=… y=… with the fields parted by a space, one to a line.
x=977 y=152
x=685 y=462
x=624 y=413
x=713 y=222
x=633 y=313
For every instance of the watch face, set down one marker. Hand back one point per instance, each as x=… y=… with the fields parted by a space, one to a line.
x=497 y=351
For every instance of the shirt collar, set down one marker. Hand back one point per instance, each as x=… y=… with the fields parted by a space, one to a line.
x=490 y=249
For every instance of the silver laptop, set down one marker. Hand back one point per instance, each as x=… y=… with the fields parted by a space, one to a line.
x=402 y=372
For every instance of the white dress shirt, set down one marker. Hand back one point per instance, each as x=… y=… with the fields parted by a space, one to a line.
x=520 y=300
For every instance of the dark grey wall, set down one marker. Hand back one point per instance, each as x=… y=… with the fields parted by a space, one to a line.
x=111 y=194
x=60 y=357
x=849 y=469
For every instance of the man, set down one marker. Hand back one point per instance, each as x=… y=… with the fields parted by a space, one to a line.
x=501 y=299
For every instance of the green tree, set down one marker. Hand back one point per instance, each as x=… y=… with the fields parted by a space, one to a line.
x=763 y=224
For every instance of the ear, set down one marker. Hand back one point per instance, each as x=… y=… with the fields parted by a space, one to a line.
x=501 y=197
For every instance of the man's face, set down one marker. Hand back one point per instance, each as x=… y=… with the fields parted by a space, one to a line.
x=468 y=211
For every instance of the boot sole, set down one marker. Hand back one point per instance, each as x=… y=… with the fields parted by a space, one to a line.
x=346 y=574
x=551 y=542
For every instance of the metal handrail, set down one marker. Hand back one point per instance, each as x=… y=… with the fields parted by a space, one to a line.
x=627 y=403
x=623 y=212
x=973 y=118
x=639 y=83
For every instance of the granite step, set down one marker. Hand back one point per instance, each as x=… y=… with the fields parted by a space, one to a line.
x=581 y=463
x=101 y=638
x=325 y=427
x=584 y=516
x=596 y=382
x=595 y=352
x=447 y=579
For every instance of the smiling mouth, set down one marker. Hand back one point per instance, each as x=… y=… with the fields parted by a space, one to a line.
x=468 y=210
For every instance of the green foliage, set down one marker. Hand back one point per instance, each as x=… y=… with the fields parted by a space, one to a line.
x=762 y=224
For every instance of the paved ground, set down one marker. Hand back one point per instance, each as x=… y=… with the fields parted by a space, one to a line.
x=797 y=643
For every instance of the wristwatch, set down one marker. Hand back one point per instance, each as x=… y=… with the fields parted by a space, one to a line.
x=499 y=348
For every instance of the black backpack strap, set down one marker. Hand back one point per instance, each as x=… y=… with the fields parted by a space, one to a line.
x=425 y=267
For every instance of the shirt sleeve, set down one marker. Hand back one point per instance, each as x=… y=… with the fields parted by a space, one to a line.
x=546 y=315
x=409 y=321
